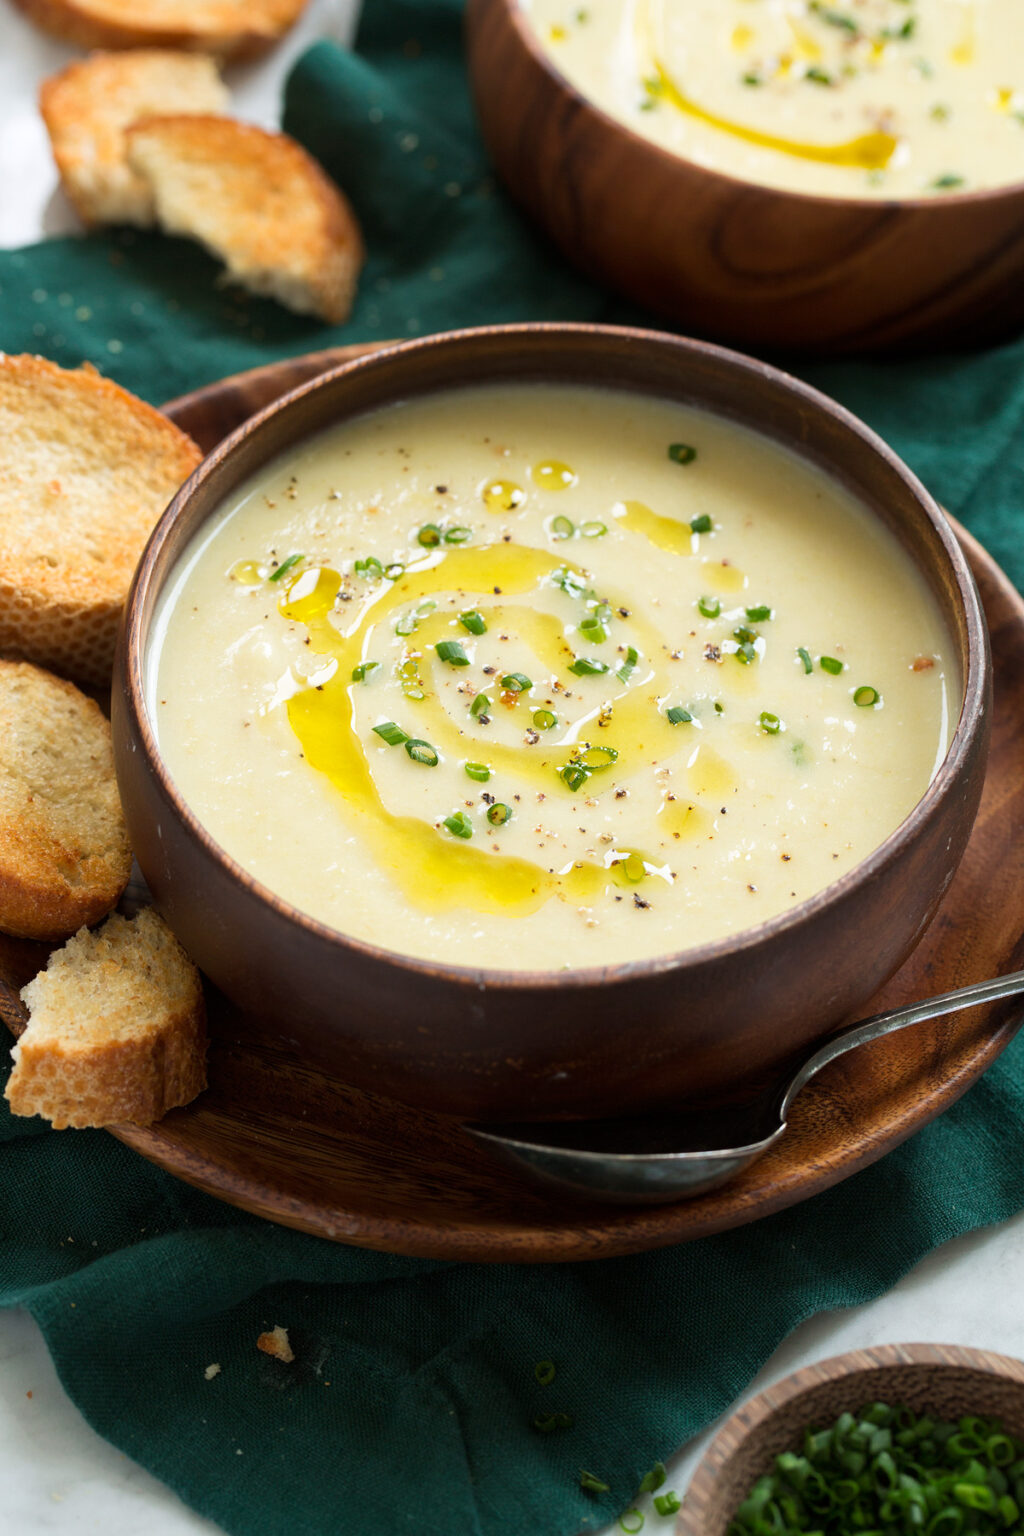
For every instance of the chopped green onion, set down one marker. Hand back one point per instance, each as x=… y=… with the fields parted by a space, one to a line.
x=391 y=733
x=544 y=1370
x=406 y=623
x=460 y=534
x=592 y=1484
x=830 y=664
x=677 y=715
x=667 y=1503
x=947 y=182
x=363 y=670
x=562 y=528
x=498 y=814
x=653 y=1480
x=805 y=657
x=429 y=535
x=474 y=621
x=422 y=752
x=593 y=630
x=593 y=530
x=451 y=651
x=480 y=705
x=759 y=613
x=394 y=570
x=570 y=583
x=631 y=1522
x=574 y=775
x=701 y=524
x=284 y=567
x=516 y=682
x=594 y=758
x=543 y=719
x=588 y=666
x=710 y=607
x=865 y=697
x=741 y=632
x=746 y=653
x=682 y=453
x=458 y=824
x=628 y=667
x=479 y=772
x=769 y=723
x=422 y=609
x=371 y=566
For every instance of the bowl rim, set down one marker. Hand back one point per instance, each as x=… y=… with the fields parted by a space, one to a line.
x=130 y=669
x=531 y=42
x=746 y=1418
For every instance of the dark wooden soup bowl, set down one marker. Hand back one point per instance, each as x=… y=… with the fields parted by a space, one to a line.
x=751 y=264
x=492 y=1044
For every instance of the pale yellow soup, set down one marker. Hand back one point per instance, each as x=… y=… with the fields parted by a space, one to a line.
x=851 y=98
x=608 y=624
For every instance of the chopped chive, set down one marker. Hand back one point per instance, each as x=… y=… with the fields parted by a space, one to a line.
x=588 y=666
x=701 y=524
x=759 y=614
x=478 y=772
x=422 y=752
x=593 y=530
x=391 y=733
x=769 y=723
x=480 y=705
x=805 y=657
x=451 y=651
x=741 y=632
x=363 y=670
x=677 y=715
x=371 y=566
x=516 y=682
x=653 y=1480
x=544 y=1370
x=830 y=664
x=460 y=534
x=592 y=1484
x=285 y=567
x=406 y=623
x=710 y=607
x=429 y=535
x=474 y=621
x=562 y=528
x=682 y=453
x=628 y=667
x=499 y=813
x=422 y=609
x=593 y=630
x=394 y=570
x=941 y=184
x=543 y=719
x=745 y=654
x=570 y=583
x=819 y=76
x=865 y=697
x=667 y=1503
x=574 y=775
x=595 y=758
x=631 y=1522
x=458 y=824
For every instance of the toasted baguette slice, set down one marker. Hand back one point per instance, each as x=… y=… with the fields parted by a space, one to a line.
x=206 y=26
x=117 y=1029
x=64 y=856
x=88 y=106
x=85 y=471
x=259 y=202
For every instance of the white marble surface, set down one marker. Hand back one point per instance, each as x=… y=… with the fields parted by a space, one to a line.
x=56 y=1474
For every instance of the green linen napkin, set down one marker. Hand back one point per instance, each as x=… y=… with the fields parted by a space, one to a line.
x=411 y=1402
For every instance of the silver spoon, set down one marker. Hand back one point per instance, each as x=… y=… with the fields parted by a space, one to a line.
x=652 y=1159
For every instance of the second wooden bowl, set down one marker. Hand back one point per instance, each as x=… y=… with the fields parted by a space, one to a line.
x=944 y=1380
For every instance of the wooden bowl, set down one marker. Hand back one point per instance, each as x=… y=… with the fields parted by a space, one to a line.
x=945 y=1380
x=733 y=259
x=495 y=1045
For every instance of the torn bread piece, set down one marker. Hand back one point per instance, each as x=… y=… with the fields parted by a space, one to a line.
x=87 y=108
x=259 y=202
x=117 y=1029
x=222 y=27
x=277 y=1344
x=64 y=855
x=85 y=471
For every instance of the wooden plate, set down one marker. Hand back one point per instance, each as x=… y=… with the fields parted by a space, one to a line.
x=276 y=1137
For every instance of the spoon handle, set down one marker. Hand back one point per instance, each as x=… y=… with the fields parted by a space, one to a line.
x=853 y=1035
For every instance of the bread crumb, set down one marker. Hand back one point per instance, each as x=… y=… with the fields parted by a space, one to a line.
x=276 y=1343
x=211 y=1371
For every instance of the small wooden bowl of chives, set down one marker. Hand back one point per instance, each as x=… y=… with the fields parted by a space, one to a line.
x=944 y=1381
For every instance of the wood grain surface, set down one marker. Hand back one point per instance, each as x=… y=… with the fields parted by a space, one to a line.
x=276 y=1137
x=944 y=1380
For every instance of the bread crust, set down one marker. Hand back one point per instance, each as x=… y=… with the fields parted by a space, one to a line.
x=224 y=27
x=85 y=471
x=64 y=859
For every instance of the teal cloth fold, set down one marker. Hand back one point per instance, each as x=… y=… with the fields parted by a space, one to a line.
x=411 y=1402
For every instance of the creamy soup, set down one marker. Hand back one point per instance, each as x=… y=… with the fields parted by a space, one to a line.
x=538 y=676
x=854 y=98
